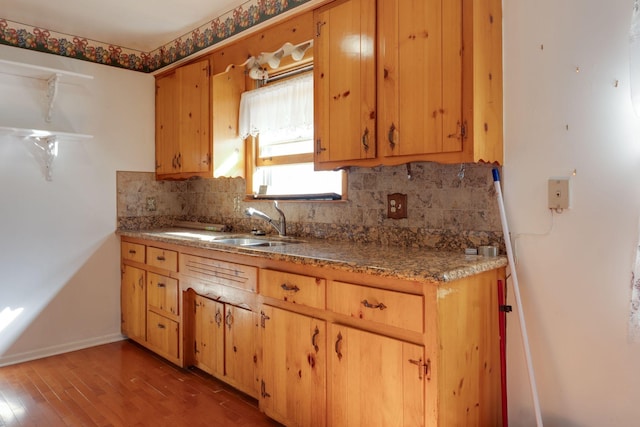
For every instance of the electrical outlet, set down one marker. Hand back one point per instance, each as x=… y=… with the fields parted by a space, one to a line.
x=151 y=204
x=396 y=206
x=559 y=193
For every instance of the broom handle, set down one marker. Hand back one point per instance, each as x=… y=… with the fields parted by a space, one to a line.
x=516 y=292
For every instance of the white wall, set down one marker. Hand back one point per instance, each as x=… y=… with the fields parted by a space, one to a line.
x=575 y=280
x=59 y=256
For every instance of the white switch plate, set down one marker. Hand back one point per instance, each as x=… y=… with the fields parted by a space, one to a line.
x=559 y=197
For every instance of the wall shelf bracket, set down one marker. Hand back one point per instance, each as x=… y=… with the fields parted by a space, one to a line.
x=52 y=92
x=45 y=143
x=52 y=76
x=49 y=147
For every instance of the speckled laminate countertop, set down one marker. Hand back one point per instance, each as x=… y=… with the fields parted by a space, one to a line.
x=388 y=261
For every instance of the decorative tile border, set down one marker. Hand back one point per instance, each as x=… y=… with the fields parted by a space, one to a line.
x=250 y=13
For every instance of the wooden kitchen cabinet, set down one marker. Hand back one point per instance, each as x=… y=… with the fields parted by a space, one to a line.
x=420 y=77
x=438 y=84
x=225 y=343
x=133 y=291
x=344 y=77
x=150 y=299
x=183 y=122
x=163 y=326
x=208 y=334
x=293 y=368
x=374 y=380
x=322 y=346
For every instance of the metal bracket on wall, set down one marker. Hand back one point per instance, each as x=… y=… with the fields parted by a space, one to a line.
x=45 y=144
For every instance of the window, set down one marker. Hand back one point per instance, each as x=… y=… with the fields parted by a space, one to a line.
x=279 y=119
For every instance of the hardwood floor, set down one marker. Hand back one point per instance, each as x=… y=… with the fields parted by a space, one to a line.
x=119 y=384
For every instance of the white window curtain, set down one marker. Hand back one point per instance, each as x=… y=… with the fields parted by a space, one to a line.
x=285 y=106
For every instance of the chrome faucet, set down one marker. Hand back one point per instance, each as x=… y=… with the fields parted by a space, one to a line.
x=280 y=226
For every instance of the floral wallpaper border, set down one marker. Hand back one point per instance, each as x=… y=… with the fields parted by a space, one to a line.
x=250 y=13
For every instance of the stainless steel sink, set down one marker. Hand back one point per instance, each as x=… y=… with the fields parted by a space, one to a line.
x=225 y=238
x=248 y=241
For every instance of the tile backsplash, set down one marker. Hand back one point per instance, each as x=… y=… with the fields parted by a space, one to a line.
x=449 y=207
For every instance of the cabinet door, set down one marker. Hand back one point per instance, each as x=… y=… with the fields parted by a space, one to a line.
x=133 y=303
x=240 y=349
x=208 y=331
x=420 y=76
x=293 y=371
x=194 y=120
x=167 y=144
x=228 y=147
x=344 y=73
x=374 y=380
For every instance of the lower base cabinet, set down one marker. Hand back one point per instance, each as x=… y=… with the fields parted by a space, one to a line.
x=319 y=347
x=293 y=368
x=374 y=380
x=225 y=339
x=133 y=291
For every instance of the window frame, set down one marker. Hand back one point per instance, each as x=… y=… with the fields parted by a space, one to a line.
x=252 y=148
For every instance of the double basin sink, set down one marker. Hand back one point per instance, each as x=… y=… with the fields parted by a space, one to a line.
x=235 y=239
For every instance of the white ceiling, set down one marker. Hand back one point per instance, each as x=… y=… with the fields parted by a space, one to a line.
x=136 y=24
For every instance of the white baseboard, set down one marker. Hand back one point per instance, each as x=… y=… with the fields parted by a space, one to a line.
x=58 y=349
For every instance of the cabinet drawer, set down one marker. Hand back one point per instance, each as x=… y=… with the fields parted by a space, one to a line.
x=293 y=288
x=162 y=258
x=132 y=251
x=212 y=271
x=391 y=308
x=163 y=334
x=162 y=293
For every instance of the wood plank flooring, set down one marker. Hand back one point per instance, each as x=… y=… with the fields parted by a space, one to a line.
x=119 y=384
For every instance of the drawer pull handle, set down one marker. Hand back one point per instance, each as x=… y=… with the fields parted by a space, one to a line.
x=218 y=318
x=367 y=304
x=293 y=288
x=338 y=346
x=161 y=258
x=162 y=285
x=161 y=326
x=132 y=251
x=316 y=332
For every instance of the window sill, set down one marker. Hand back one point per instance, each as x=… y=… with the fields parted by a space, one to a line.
x=307 y=198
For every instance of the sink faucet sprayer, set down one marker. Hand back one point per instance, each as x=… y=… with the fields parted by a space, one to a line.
x=280 y=226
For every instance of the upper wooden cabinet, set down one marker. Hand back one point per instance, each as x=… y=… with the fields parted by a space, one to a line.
x=344 y=73
x=183 y=122
x=191 y=106
x=438 y=82
x=420 y=77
